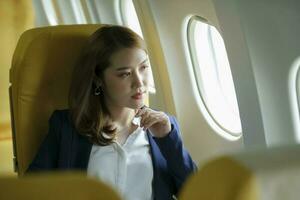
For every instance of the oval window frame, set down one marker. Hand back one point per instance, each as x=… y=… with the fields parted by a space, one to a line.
x=211 y=120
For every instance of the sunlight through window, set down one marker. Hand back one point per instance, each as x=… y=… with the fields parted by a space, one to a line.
x=131 y=20
x=213 y=76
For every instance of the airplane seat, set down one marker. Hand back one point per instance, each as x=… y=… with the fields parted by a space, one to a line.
x=260 y=174
x=40 y=78
x=58 y=186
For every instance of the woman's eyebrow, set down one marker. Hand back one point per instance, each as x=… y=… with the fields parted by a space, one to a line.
x=122 y=68
x=127 y=67
x=146 y=59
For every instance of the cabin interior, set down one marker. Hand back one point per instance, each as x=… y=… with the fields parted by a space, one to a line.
x=228 y=70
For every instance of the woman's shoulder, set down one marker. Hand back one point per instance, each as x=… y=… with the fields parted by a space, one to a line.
x=61 y=113
x=61 y=116
x=61 y=123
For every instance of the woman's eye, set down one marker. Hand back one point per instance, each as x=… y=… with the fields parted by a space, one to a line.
x=123 y=75
x=144 y=66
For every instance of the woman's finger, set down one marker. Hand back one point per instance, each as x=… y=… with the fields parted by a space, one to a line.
x=144 y=117
x=141 y=111
x=154 y=117
x=151 y=122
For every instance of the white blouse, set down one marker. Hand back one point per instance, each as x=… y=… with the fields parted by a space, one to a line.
x=127 y=168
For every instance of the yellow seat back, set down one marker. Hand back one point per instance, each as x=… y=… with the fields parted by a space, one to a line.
x=40 y=79
x=252 y=174
x=61 y=186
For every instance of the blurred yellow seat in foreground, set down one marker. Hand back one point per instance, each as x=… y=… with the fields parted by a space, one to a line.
x=55 y=186
x=257 y=174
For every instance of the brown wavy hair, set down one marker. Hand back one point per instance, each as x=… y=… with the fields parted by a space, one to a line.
x=88 y=111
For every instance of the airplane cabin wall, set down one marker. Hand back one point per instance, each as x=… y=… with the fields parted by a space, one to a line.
x=108 y=11
x=69 y=12
x=170 y=19
x=271 y=34
x=261 y=43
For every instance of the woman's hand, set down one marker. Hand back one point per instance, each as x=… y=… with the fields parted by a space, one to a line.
x=157 y=122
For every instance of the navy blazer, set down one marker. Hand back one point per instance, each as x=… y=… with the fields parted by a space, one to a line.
x=65 y=149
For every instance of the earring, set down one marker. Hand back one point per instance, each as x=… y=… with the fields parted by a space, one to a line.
x=97 y=91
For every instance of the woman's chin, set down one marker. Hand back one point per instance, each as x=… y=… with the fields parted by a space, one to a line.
x=136 y=105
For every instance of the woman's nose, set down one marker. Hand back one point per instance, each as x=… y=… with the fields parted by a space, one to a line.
x=138 y=80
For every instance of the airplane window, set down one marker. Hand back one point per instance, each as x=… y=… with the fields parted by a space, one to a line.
x=51 y=13
x=213 y=76
x=297 y=82
x=45 y=13
x=130 y=19
x=69 y=12
x=79 y=15
x=129 y=16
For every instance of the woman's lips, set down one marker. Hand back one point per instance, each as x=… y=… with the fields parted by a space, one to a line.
x=137 y=96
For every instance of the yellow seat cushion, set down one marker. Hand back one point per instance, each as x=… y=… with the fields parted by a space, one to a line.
x=40 y=79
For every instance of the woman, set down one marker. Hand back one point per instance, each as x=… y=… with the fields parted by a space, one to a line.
x=108 y=131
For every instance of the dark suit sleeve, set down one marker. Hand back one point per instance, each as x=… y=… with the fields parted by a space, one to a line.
x=47 y=156
x=180 y=163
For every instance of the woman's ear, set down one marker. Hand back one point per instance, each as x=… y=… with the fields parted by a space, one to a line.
x=97 y=85
x=97 y=81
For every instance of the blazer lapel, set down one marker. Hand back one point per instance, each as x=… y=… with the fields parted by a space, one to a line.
x=81 y=149
x=159 y=164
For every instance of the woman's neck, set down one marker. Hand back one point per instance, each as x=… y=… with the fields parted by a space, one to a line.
x=122 y=117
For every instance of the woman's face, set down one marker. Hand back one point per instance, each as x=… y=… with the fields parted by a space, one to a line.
x=126 y=80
